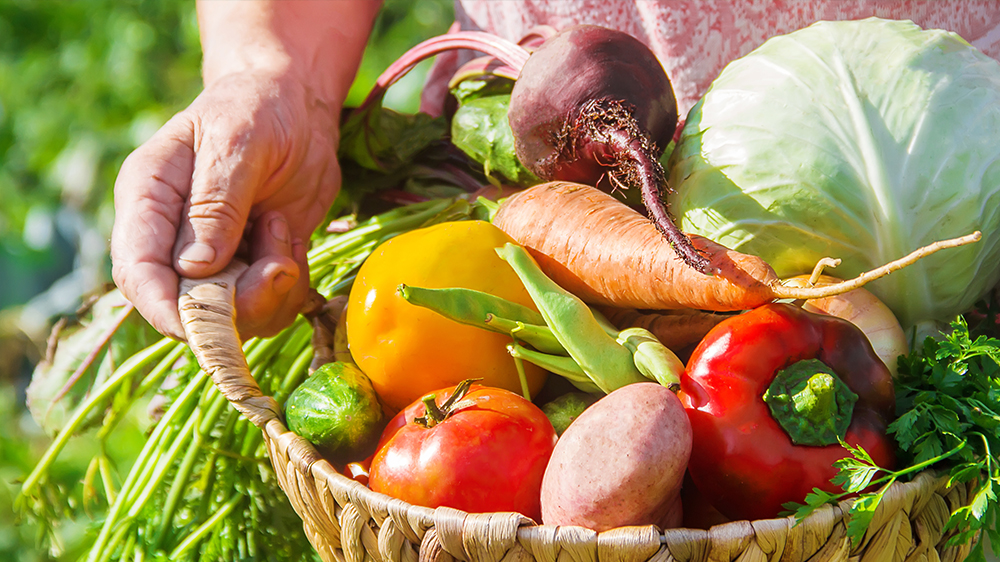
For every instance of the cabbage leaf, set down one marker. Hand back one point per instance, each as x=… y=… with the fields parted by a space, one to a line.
x=861 y=140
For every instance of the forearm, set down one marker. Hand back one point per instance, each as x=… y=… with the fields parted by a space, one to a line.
x=319 y=42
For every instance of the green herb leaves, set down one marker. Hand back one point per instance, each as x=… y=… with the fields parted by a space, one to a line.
x=948 y=395
x=947 y=401
x=857 y=471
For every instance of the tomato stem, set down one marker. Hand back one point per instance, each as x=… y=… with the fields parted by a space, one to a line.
x=434 y=414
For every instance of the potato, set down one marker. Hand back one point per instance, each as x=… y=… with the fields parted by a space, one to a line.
x=621 y=462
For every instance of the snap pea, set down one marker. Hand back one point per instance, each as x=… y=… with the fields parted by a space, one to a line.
x=608 y=364
x=651 y=357
x=483 y=310
x=539 y=337
x=468 y=305
x=563 y=366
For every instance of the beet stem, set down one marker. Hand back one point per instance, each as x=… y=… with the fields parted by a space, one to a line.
x=507 y=52
x=634 y=161
x=480 y=67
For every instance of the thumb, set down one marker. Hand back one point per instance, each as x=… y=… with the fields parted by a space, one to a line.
x=223 y=186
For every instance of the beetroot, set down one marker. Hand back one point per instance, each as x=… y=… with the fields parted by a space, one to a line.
x=589 y=103
x=592 y=102
x=551 y=110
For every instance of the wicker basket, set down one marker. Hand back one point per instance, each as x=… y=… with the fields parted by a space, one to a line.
x=345 y=521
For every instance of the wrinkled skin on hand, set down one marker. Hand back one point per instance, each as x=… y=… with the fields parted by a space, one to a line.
x=249 y=170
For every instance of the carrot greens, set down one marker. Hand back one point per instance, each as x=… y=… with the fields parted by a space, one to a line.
x=202 y=487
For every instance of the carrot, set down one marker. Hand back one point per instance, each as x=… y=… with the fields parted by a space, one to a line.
x=606 y=253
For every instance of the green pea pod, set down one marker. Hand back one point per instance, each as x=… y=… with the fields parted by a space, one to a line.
x=652 y=358
x=469 y=306
x=605 y=324
x=538 y=337
x=483 y=310
x=563 y=366
x=572 y=322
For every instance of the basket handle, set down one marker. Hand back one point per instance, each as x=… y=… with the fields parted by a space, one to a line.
x=208 y=313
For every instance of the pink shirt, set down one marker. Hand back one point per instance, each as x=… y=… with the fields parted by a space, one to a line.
x=695 y=39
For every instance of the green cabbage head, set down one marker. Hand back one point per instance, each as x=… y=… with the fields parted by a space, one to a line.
x=860 y=140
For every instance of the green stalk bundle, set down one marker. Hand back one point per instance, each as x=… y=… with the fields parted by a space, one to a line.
x=202 y=487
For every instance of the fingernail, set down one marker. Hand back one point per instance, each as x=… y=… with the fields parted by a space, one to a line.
x=197 y=252
x=283 y=283
x=279 y=229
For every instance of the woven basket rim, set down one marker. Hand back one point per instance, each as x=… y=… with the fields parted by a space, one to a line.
x=311 y=463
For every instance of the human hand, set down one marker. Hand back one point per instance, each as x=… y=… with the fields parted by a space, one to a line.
x=248 y=169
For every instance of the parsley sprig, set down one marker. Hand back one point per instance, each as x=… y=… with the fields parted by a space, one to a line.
x=947 y=403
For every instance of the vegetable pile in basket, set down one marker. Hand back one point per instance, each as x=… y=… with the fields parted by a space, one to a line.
x=562 y=355
x=787 y=406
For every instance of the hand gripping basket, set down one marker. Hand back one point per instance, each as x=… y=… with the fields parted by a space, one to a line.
x=347 y=522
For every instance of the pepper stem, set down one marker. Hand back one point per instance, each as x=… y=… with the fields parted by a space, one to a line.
x=811 y=403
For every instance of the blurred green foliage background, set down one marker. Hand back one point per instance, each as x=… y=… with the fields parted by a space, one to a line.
x=82 y=84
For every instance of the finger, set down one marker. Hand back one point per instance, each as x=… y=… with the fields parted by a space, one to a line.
x=268 y=294
x=307 y=213
x=297 y=294
x=227 y=173
x=305 y=193
x=262 y=308
x=149 y=194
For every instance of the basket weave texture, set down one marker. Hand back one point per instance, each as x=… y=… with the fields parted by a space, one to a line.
x=347 y=522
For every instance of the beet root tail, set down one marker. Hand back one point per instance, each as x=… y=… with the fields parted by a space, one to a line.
x=615 y=139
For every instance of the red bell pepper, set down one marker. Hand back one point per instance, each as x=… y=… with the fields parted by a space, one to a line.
x=823 y=382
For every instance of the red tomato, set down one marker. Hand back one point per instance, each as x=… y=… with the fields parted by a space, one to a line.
x=358 y=471
x=487 y=455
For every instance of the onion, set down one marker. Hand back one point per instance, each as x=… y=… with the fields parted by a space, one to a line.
x=865 y=311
